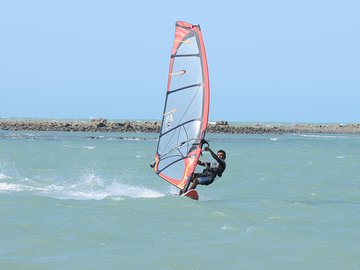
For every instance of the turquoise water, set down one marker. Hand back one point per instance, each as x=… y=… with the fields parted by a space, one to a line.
x=91 y=201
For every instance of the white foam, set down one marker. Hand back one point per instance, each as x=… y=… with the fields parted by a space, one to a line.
x=89 y=147
x=251 y=229
x=118 y=189
x=4 y=176
x=225 y=228
x=141 y=156
x=4 y=186
x=79 y=147
x=115 y=191
x=89 y=186
x=93 y=187
x=323 y=136
x=9 y=187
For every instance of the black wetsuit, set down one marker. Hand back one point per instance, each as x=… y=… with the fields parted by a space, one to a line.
x=212 y=170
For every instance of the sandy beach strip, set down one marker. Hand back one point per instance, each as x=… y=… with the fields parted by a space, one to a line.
x=103 y=125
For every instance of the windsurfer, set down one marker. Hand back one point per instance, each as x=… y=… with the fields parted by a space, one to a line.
x=212 y=171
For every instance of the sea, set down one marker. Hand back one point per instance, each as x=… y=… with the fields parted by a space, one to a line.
x=73 y=200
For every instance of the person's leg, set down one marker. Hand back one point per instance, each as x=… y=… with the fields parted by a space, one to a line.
x=186 y=188
x=194 y=184
x=204 y=179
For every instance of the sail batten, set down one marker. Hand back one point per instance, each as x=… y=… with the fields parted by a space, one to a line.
x=185 y=114
x=186 y=55
x=185 y=87
x=180 y=125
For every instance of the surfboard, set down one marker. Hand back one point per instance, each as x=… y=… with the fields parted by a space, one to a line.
x=186 y=110
x=192 y=194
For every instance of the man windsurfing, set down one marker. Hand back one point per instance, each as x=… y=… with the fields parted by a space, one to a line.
x=213 y=169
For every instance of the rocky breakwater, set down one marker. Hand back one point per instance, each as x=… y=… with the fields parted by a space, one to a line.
x=103 y=125
x=224 y=127
x=94 y=125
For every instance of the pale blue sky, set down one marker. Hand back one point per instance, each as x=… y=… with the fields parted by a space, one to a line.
x=269 y=61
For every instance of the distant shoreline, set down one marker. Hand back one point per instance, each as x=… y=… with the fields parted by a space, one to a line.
x=103 y=125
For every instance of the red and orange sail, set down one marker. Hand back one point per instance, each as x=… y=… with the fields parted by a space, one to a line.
x=186 y=110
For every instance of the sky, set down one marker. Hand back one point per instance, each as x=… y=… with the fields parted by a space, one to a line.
x=269 y=61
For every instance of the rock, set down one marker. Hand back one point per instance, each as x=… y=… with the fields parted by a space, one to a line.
x=221 y=123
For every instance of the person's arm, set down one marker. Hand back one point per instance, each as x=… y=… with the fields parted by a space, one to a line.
x=202 y=163
x=214 y=155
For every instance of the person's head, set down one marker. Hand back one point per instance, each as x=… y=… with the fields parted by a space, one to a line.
x=221 y=154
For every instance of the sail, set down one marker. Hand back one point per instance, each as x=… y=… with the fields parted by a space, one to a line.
x=186 y=110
